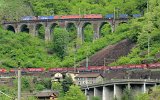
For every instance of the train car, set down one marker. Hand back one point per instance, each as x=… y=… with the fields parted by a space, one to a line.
x=70 y=17
x=45 y=17
x=61 y=69
x=109 y=16
x=92 y=16
x=123 y=16
x=3 y=70
x=130 y=67
x=136 y=15
x=27 y=18
x=153 y=66
x=98 y=68
x=52 y=69
x=57 y=17
x=15 y=70
x=12 y=70
x=71 y=69
x=141 y=66
x=82 y=69
x=35 y=69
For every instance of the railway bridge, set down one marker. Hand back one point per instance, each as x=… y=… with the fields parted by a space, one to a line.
x=112 y=89
x=32 y=26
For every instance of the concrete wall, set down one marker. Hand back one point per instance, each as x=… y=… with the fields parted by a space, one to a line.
x=115 y=90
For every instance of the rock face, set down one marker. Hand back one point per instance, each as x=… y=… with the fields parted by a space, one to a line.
x=110 y=53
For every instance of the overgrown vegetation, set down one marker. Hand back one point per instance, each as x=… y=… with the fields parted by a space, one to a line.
x=34 y=52
x=145 y=32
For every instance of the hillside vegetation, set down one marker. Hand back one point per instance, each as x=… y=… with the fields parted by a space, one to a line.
x=14 y=9
x=35 y=52
x=145 y=32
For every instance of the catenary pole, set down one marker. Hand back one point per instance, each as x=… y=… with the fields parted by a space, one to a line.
x=19 y=81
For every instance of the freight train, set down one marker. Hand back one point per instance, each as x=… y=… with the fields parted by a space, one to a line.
x=87 y=16
x=83 y=69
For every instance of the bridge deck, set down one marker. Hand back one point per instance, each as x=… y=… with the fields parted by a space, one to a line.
x=122 y=81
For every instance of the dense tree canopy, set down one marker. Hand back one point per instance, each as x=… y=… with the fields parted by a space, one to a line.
x=74 y=93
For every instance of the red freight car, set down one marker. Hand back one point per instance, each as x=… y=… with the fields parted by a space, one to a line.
x=155 y=65
x=2 y=70
x=35 y=69
x=81 y=68
x=92 y=16
x=57 y=17
x=70 y=17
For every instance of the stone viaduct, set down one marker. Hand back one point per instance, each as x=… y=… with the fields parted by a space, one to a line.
x=114 y=88
x=49 y=25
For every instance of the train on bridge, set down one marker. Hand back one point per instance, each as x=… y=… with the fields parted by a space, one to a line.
x=83 y=69
x=87 y=16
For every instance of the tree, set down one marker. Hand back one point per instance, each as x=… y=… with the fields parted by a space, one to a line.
x=66 y=83
x=14 y=9
x=155 y=93
x=39 y=87
x=57 y=86
x=60 y=41
x=142 y=96
x=74 y=93
x=127 y=95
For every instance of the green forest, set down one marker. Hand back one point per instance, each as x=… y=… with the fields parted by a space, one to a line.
x=61 y=52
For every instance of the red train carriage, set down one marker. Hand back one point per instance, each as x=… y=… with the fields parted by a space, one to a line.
x=70 y=17
x=57 y=17
x=82 y=69
x=92 y=16
x=117 y=67
x=52 y=69
x=141 y=66
x=61 y=69
x=3 y=70
x=57 y=69
x=71 y=69
x=35 y=69
x=98 y=68
x=153 y=66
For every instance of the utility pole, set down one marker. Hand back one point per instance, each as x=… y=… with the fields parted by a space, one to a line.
x=19 y=81
x=104 y=62
x=75 y=57
x=87 y=60
x=87 y=63
x=114 y=19
x=104 y=65
x=148 y=33
x=114 y=14
x=148 y=45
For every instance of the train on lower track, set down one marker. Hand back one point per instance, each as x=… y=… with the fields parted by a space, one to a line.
x=83 y=69
x=87 y=16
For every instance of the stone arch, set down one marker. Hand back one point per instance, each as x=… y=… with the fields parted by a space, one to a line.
x=10 y=28
x=72 y=29
x=52 y=28
x=87 y=37
x=105 y=27
x=24 y=28
x=40 y=31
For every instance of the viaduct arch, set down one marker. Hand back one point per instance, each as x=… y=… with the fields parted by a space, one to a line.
x=31 y=27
